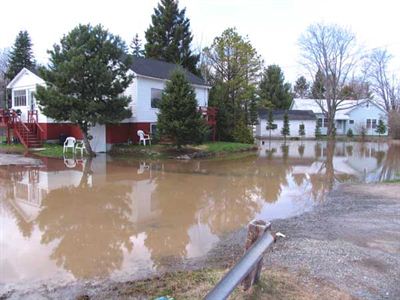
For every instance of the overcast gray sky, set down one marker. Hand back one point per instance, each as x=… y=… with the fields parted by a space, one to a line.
x=273 y=26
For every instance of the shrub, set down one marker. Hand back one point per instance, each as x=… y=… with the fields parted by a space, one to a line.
x=350 y=133
x=317 y=131
x=243 y=134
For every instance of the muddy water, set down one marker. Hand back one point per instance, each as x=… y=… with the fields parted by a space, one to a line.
x=76 y=219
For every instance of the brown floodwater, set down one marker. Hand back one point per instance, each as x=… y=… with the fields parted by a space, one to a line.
x=117 y=218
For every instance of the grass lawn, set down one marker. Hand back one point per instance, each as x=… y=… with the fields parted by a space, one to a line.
x=168 y=151
x=50 y=150
x=226 y=147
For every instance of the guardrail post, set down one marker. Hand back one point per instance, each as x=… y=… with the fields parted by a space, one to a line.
x=255 y=230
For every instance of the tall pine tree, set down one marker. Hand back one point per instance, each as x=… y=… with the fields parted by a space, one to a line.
x=136 y=47
x=169 y=37
x=179 y=117
x=234 y=68
x=273 y=91
x=21 y=55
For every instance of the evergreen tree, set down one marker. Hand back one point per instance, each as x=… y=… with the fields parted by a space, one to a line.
x=317 y=130
x=318 y=89
x=179 y=117
x=381 y=128
x=270 y=122
x=87 y=75
x=136 y=47
x=234 y=67
x=301 y=87
x=302 y=130
x=21 y=55
x=169 y=37
x=273 y=90
x=286 y=128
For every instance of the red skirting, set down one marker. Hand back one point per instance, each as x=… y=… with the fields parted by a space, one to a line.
x=115 y=133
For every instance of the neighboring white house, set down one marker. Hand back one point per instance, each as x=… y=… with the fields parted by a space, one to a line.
x=296 y=118
x=150 y=77
x=352 y=114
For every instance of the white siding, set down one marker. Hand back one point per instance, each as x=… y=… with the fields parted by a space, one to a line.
x=360 y=116
x=27 y=81
x=140 y=92
x=98 y=143
x=309 y=128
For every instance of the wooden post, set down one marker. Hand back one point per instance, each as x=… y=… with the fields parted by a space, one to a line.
x=256 y=229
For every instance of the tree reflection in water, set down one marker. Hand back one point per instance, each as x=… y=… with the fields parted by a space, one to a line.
x=176 y=207
x=90 y=225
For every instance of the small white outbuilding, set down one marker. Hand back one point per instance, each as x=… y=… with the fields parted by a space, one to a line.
x=296 y=118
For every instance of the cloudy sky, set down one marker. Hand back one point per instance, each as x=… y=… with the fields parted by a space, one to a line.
x=273 y=26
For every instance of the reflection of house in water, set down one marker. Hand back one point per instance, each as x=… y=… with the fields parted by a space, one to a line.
x=32 y=184
x=359 y=160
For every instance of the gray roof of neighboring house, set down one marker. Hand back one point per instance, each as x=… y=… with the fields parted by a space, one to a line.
x=161 y=69
x=301 y=115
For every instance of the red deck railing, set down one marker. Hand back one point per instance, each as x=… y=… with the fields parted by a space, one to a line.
x=210 y=114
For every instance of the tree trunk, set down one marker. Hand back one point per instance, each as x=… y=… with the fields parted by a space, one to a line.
x=331 y=127
x=85 y=130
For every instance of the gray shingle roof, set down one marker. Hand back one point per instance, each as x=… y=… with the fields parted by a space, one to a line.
x=293 y=114
x=160 y=69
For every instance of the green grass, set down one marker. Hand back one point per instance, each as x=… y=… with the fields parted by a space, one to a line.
x=227 y=147
x=168 y=151
x=50 y=150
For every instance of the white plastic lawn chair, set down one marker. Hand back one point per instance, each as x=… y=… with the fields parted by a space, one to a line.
x=69 y=143
x=70 y=162
x=143 y=137
x=80 y=145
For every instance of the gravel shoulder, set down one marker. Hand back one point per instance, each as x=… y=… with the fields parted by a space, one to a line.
x=351 y=242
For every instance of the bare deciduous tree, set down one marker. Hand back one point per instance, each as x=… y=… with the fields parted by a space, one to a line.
x=332 y=50
x=4 y=59
x=385 y=86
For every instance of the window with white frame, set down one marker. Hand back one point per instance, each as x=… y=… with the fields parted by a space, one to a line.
x=20 y=98
x=155 y=97
x=374 y=123
x=351 y=121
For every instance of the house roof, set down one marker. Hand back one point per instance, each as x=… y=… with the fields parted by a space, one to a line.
x=302 y=115
x=313 y=104
x=20 y=74
x=161 y=69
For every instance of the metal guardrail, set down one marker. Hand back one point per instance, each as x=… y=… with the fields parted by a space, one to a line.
x=248 y=268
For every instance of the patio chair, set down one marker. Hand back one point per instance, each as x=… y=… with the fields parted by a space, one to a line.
x=69 y=143
x=70 y=162
x=80 y=145
x=143 y=137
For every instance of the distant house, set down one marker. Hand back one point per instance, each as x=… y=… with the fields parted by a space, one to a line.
x=352 y=114
x=296 y=118
x=150 y=77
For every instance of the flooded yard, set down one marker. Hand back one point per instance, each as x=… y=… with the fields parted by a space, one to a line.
x=70 y=219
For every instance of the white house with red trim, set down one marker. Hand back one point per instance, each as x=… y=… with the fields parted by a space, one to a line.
x=150 y=77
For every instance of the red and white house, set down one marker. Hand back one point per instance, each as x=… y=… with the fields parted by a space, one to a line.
x=150 y=77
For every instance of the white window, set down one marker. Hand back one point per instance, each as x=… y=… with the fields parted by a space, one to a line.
x=20 y=98
x=374 y=123
x=155 y=97
x=351 y=121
